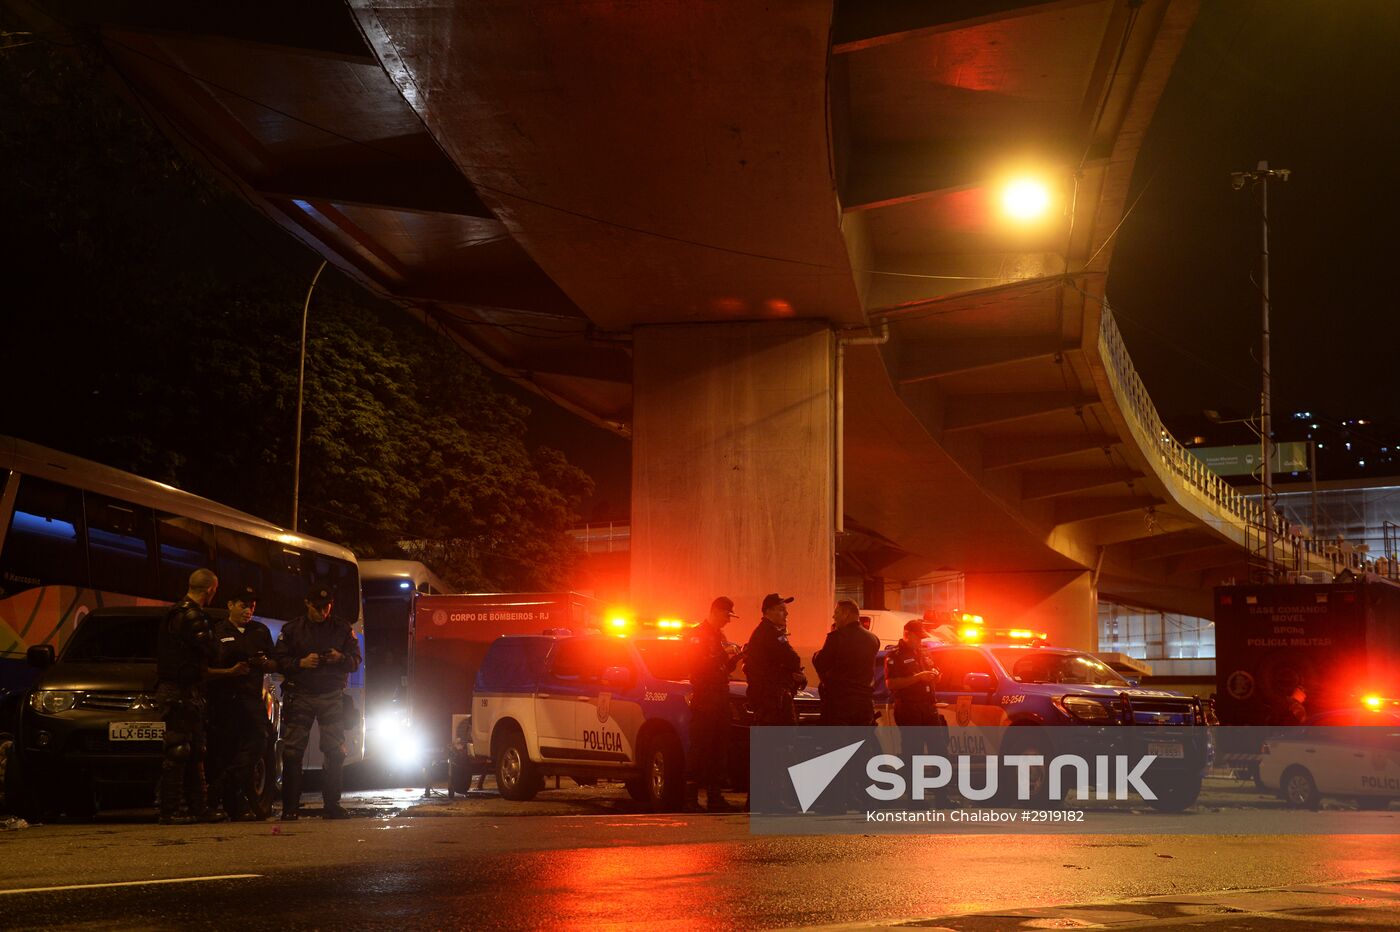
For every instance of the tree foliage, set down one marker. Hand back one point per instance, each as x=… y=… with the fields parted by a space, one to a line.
x=154 y=325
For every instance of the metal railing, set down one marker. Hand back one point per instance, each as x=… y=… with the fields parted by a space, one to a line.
x=1176 y=464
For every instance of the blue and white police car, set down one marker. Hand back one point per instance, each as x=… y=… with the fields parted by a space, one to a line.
x=1011 y=678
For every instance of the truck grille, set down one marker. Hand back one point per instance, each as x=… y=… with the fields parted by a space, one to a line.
x=111 y=702
x=1163 y=710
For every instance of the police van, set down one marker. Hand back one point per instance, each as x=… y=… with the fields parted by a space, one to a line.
x=1011 y=678
x=588 y=707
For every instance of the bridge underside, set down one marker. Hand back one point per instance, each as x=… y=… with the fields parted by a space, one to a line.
x=547 y=182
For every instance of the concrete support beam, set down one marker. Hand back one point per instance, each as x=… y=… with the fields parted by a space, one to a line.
x=973 y=412
x=1007 y=452
x=1171 y=545
x=923 y=363
x=733 y=472
x=1055 y=483
x=1086 y=509
x=1063 y=604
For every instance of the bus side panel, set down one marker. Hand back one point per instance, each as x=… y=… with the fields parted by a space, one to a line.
x=46 y=615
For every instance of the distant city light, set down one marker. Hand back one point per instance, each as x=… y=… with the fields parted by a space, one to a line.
x=1361 y=462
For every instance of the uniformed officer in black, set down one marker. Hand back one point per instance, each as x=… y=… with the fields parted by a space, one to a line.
x=315 y=653
x=712 y=663
x=237 y=712
x=846 y=667
x=772 y=667
x=912 y=679
x=185 y=647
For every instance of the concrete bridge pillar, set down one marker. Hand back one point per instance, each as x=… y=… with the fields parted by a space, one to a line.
x=1063 y=604
x=733 y=472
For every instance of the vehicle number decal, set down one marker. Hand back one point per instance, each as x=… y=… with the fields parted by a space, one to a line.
x=655 y=697
x=1013 y=700
x=602 y=740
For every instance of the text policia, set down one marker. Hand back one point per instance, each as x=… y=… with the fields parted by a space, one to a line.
x=1115 y=777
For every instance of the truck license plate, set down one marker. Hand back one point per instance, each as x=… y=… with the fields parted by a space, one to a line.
x=136 y=731
x=1171 y=749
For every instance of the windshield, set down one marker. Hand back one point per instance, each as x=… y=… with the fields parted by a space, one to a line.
x=108 y=638
x=1036 y=666
x=667 y=660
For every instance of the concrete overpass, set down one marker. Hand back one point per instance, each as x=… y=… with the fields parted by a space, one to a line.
x=761 y=239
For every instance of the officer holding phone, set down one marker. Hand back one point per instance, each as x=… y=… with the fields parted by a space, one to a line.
x=237 y=714
x=315 y=654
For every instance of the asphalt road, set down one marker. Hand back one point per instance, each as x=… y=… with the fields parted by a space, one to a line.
x=584 y=858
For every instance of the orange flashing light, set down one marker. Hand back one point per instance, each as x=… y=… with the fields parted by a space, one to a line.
x=672 y=624
x=970 y=633
x=970 y=619
x=1372 y=702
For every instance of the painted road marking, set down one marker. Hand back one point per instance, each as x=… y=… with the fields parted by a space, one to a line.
x=130 y=883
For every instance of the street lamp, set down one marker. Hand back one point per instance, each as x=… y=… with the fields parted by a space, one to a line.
x=1025 y=199
x=301 y=386
x=1260 y=178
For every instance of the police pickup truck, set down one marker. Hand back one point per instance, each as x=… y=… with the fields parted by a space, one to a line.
x=594 y=707
x=1012 y=680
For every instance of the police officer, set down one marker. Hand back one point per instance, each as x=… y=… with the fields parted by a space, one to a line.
x=772 y=667
x=846 y=667
x=712 y=661
x=237 y=713
x=185 y=647
x=912 y=678
x=315 y=653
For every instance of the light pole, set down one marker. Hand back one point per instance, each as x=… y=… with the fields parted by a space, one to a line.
x=301 y=387
x=1260 y=177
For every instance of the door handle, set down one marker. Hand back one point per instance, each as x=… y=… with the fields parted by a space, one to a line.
x=584 y=698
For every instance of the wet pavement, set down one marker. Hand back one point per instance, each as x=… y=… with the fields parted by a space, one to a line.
x=587 y=858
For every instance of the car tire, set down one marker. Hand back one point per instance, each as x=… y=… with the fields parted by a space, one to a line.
x=663 y=772
x=1299 y=789
x=9 y=774
x=517 y=777
x=262 y=781
x=637 y=789
x=1178 y=795
x=1030 y=740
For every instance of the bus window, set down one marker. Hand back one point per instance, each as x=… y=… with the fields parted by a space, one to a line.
x=44 y=544
x=240 y=563
x=286 y=583
x=121 y=551
x=186 y=545
x=340 y=578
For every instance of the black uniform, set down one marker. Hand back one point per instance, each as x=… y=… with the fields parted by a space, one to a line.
x=915 y=704
x=237 y=715
x=711 y=663
x=774 y=672
x=846 y=666
x=314 y=695
x=184 y=648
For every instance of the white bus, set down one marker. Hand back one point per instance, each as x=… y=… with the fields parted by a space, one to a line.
x=389 y=588
x=76 y=535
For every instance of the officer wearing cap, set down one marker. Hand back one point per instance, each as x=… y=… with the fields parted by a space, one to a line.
x=772 y=667
x=712 y=661
x=315 y=653
x=237 y=713
x=912 y=678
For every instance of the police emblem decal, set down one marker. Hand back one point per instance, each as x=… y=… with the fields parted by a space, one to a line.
x=964 y=711
x=604 y=704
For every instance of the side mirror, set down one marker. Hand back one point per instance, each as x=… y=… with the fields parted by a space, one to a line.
x=1134 y=682
x=978 y=682
x=617 y=679
x=40 y=655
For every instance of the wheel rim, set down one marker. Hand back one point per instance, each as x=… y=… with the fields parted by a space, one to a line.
x=1298 y=791
x=510 y=767
x=658 y=774
x=259 y=778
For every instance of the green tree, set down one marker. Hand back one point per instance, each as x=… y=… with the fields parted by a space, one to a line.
x=155 y=324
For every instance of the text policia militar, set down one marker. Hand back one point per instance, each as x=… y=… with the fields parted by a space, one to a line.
x=978 y=778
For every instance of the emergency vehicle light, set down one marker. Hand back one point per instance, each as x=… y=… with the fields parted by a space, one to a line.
x=670 y=623
x=970 y=633
x=970 y=619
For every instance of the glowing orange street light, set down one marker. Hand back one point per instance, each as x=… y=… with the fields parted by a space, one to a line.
x=1025 y=199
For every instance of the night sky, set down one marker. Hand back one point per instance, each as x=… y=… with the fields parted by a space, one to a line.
x=1311 y=87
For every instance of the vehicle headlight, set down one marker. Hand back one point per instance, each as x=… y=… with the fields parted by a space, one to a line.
x=1084 y=709
x=53 y=701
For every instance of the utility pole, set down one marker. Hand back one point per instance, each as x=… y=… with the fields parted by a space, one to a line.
x=1260 y=177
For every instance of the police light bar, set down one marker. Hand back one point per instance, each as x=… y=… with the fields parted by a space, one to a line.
x=670 y=624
